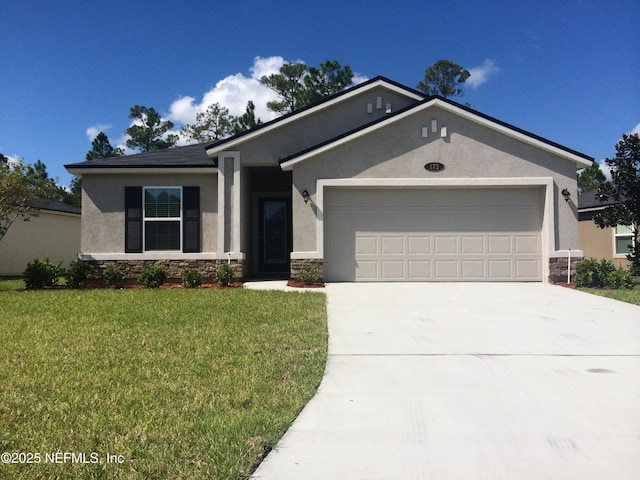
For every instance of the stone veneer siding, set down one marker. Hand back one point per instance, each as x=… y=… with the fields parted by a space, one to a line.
x=132 y=268
x=558 y=268
x=299 y=264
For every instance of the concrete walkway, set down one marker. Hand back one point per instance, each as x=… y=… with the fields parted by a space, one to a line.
x=470 y=381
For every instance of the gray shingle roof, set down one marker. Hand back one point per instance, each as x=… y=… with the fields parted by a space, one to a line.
x=55 y=206
x=190 y=156
x=589 y=200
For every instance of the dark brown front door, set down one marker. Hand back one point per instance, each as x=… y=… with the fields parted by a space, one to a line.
x=274 y=219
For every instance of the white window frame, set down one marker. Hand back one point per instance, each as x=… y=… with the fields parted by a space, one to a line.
x=617 y=235
x=160 y=219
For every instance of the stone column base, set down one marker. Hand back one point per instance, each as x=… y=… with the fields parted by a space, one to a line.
x=558 y=268
x=132 y=268
x=299 y=263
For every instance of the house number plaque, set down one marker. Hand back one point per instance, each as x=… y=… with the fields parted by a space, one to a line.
x=434 y=167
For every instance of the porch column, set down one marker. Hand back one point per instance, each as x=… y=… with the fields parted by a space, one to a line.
x=229 y=208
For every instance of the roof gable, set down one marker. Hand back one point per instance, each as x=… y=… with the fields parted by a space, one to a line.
x=580 y=159
x=362 y=88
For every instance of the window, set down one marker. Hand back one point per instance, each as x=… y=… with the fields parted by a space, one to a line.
x=162 y=218
x=623 y=240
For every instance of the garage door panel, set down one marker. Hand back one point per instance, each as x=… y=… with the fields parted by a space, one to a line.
x=392 y=245
x=446 y=244
x=446 y=269
x=499 y=270
x=366 y=245
x=473 y=269
x=392 y=269
x=419 y=245
x=527 y=244
x=500 y=244
x=433 y=234
x=367 y=270
x=419 y=269
x=472 y=244
x=528 y=269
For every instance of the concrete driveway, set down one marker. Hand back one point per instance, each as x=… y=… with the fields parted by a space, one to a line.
x=470 y=381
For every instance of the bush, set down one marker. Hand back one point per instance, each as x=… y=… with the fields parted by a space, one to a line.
x=113 y=276
x=77 y=273
x=309 y=274
x=152 y=276
x=593 y=274
x=225 y=274
x=191 y=278
x=619 y=279
x=42 y=274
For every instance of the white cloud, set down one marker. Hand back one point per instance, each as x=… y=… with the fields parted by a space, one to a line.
x=636 y=129
x=93 y=131
x=481 y=73
x=605 y=169
x=233 y=92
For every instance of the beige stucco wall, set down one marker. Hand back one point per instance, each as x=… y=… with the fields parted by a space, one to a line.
x=55 y=235
x=103 y=207
x=598 y=242
x=470 y=150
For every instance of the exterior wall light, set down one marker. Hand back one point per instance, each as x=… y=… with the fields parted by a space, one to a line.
x=306 y=196
x=565 y=193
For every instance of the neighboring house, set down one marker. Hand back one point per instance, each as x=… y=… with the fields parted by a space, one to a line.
x=609 y=243
x=54 y=233
x=377 y=183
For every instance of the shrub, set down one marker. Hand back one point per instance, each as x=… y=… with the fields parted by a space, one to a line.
x=42 y=274
x=152 y=276
x=113 y=276
x=77 y=273
x=594 y=274
x=619 y=279
x=191 y=278
x=225 y=274
x=309 y=274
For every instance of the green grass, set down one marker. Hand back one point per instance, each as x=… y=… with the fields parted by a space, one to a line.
x=179 y=383
x=11 y=283
x=623 y=294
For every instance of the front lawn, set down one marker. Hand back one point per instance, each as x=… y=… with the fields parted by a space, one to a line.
x=622 y=294
x=153 y=384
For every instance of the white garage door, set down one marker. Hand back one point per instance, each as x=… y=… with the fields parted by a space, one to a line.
x=433 y=234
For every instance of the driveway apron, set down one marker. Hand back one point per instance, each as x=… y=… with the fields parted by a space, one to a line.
x=470 y=381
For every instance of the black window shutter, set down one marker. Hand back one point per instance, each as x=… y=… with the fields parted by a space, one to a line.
x=191 y=219
x=133 y=219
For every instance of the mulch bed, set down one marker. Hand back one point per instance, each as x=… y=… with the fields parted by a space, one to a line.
x=566 y=285
x=296 y=284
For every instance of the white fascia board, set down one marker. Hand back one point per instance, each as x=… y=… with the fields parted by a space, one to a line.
x=580 y=162
x=126 y=170
x=43 y=211
x=213 y=152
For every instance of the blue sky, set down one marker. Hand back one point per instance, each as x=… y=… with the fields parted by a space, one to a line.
x=566 y=70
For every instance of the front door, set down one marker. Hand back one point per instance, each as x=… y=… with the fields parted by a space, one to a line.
x=274 y=235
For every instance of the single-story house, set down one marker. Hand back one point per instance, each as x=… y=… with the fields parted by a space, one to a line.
x=54 y=233
x=377 y=183
x=609 y=243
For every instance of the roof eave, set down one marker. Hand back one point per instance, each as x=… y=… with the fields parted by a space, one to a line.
x=120 y=169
